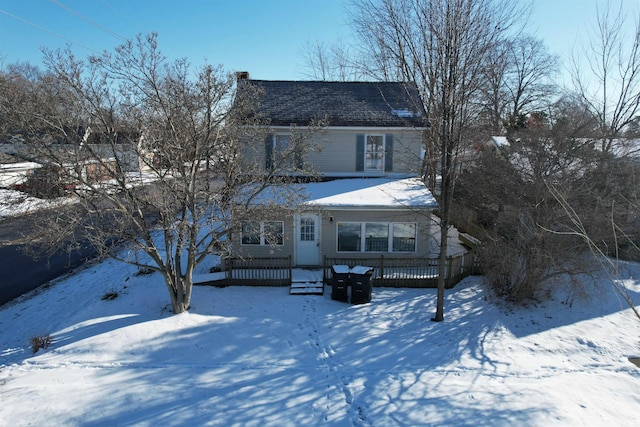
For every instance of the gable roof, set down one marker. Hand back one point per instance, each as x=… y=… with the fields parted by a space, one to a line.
x=361 y=104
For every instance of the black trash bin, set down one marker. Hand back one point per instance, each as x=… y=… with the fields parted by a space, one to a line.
x=339 y=282
x=361 y=284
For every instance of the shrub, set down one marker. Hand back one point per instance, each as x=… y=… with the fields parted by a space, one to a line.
x=109 y=296
x=144 y=271
x=41 y=342
x=47 y=182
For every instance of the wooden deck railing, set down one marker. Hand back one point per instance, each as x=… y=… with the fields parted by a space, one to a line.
x=387 y=271
x=273 y=271
x=409 y=272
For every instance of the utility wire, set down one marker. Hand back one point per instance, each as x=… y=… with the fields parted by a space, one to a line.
x=24 y=21
x=84 y=18
x=128 y=19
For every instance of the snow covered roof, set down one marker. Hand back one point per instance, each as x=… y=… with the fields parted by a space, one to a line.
x=371 y=193
x=352 y=193
x=500 y=141
x=626 y=147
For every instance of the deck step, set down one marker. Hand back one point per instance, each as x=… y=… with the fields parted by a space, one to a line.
x=306 y=288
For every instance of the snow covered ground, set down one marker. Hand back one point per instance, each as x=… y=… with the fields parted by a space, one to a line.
x=14 y=203
x=260 y=357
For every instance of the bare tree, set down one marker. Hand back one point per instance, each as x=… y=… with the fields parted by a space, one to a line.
x=530 y=84
x=19 y=85
x=606 y=74
x=572 y=117
x=510 y=188
x=317 y=61
x=185 y=130
x=442 y=46
x=517 y=81
x=333 y=62
x=495 y=95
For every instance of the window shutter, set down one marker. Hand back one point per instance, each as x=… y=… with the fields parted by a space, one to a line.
x=268 y=151
x=360 y=152
x=298 y=159
x=388 y=152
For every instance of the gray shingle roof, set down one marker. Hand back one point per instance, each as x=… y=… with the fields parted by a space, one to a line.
x=367 y=104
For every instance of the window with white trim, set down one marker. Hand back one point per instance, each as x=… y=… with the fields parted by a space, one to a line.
x=349 y=236
x=377 y=236
x=404 y=237
x=374 y=152
x=263 y=233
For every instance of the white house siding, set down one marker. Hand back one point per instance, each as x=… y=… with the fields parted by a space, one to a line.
x=260 y=251
x=253 y=155
x=335 y=151
x=16 y=173
x=338 y=150
x=359 y=200
x=425 y=246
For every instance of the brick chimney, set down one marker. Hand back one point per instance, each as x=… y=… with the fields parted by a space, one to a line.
x=242 y=75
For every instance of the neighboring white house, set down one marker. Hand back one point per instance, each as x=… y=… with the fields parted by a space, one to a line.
x=497 y=142
x=16 y=173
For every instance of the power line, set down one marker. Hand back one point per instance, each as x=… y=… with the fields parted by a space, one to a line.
x=84 y=18
x=24 y=21
x=124 y=17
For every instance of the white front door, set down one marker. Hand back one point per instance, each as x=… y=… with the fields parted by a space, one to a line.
x=308 y=239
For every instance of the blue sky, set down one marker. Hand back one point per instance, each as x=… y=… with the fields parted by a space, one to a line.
x=265 y=37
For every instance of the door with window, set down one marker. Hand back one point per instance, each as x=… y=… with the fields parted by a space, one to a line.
x=308 y=239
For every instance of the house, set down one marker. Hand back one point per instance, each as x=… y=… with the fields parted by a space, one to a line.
x=496 y=143
x=52 y=165
x=366 y=201
x=14 y=171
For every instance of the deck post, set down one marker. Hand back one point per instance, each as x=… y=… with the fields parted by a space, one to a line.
x=229 y=271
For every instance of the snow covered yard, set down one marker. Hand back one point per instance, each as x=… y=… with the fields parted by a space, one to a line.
x=260 y=357
x=13 y=203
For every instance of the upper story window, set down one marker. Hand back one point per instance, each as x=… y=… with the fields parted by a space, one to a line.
x=281 y=154
x=281 y=144
x=374 y=153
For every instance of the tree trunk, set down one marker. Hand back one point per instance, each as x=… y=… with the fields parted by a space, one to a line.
x=442 y=270
x=180 y=292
